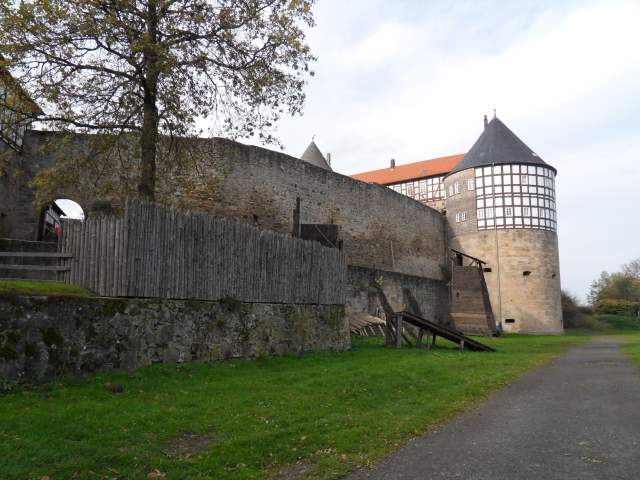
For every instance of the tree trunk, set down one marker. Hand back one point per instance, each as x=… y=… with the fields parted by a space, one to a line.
x=150 y=120
x=148 y=141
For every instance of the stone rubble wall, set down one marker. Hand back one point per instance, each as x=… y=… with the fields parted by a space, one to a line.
x=369 y=289
x=42 y=338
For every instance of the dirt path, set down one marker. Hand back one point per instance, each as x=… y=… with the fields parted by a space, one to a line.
x=576 y=418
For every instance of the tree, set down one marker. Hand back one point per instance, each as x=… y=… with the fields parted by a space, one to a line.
x=572 y=316
x=621 y=287
x=597 y=286
x=632 y=269
x=147 y=68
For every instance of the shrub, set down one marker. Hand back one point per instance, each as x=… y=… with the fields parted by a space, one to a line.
x=572 y=315
x=617 y=307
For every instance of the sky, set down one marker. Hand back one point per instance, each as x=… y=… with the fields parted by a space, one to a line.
x=411 y=80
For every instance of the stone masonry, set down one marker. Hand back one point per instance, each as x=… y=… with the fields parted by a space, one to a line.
x=379 y=228
x=44 y=337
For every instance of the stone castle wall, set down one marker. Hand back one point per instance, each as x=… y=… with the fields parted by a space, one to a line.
x=42 y=338
x=380 y=228
x=368 y=290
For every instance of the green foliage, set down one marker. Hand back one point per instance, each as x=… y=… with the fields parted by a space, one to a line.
x=617 y=292
x=603 y=324
x=32 y=287
x=617 y=307
x=333 y=412
x=158 y=67
x=620 y=322
x=572 y=316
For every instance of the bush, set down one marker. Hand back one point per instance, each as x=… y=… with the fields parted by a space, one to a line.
x=617 y=307
x=572 y=315
x=620 y=322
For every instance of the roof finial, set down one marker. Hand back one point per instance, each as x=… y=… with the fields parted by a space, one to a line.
x=494 y=112
x=313 y=137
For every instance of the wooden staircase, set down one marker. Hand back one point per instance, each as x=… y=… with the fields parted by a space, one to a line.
x=396 y=333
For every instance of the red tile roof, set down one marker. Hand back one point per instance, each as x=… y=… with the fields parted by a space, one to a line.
x=410 y=171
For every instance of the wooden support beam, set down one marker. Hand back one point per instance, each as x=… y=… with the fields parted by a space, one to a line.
x=34 y=255
x=388 y=332
x=34 y=268
x=398 y=320
x=419 y=339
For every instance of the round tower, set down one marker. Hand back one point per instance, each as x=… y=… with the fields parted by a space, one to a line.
x=501 y=208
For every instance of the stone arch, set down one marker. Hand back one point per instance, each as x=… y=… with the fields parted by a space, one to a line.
x=52 y=214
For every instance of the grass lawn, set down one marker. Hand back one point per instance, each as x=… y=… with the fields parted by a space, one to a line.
x=33 y=287
x=630 y=327
x=316 y=417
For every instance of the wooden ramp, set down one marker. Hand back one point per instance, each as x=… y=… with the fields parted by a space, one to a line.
x=395 y=333
x=365 y=325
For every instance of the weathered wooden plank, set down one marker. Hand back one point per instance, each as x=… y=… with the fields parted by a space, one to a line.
x=36 y=268
x=159 y=252
x=37 y=254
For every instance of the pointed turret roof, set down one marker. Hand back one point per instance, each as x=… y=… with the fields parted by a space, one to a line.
x=498 y=145
x=314 y=156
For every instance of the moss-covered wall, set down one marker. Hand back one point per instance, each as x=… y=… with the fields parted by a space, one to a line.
x=45 y=337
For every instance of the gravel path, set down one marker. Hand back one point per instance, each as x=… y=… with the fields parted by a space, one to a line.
x=576 y=418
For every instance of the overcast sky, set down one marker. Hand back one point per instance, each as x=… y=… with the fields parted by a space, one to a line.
x=411 y=80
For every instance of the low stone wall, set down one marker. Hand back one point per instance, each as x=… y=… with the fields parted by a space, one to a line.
x=377 y=291
x=45 y=337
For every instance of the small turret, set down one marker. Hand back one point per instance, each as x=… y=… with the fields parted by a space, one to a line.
x=314 y=156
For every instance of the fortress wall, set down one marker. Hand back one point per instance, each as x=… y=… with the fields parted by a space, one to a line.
x=533 y=301
x=425 y=297
x=380 y=228
x=18 y=216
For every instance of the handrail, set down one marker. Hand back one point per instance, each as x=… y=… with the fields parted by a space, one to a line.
x=34 y=255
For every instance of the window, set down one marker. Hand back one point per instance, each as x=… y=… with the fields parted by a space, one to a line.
x=451 y=190
x=456 y=187
x=515 y=196
x=458 y=217
x=463 y=216
x=470 y=184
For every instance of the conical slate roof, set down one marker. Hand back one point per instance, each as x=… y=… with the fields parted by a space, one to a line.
x=314 y=156
x=498 y=145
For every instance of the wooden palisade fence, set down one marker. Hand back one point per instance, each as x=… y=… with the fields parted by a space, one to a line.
x=156 y=252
